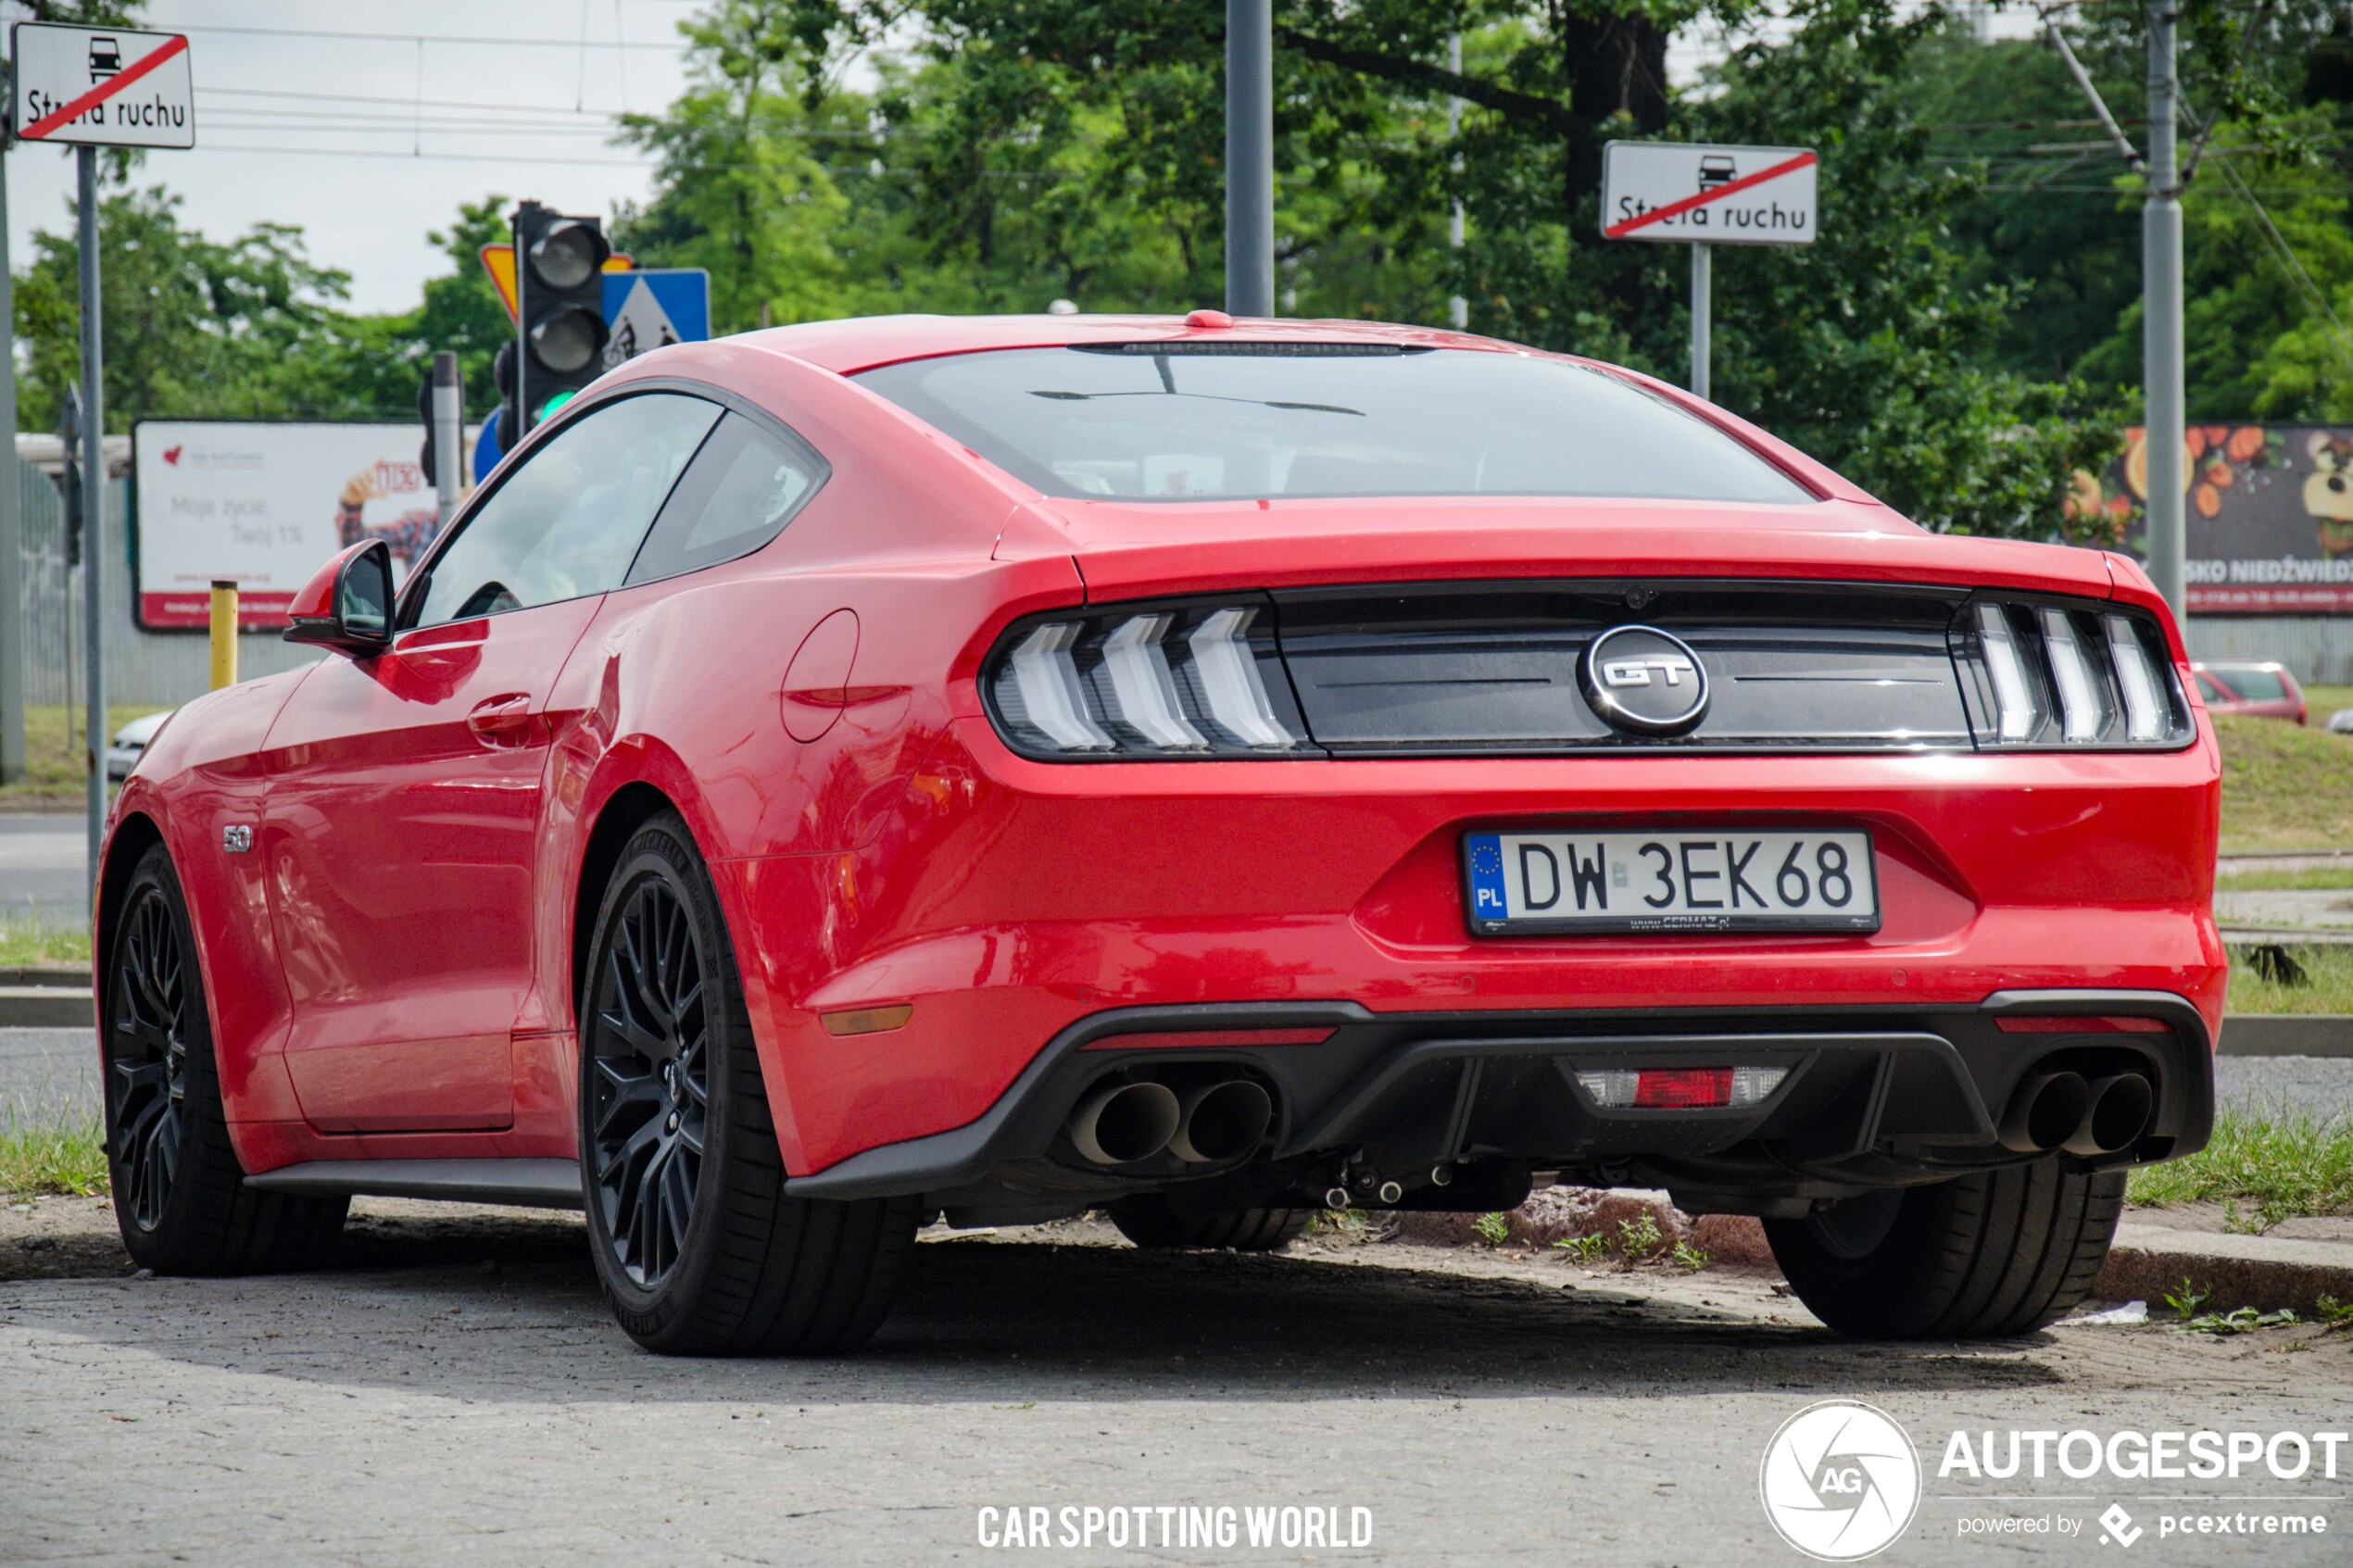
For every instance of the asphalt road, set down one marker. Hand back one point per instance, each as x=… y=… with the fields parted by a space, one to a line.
x=44 y=857
x=455 y=1391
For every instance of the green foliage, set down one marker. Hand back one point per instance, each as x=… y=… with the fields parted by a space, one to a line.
x=1495 y=1228
x=1639 y=1238
x=2185 y=1298
x=1690 y=1257
x=51 y=1157
x=27 y=940
x=2242 y=1320
x=1584 y=1249
x=2287 y=1161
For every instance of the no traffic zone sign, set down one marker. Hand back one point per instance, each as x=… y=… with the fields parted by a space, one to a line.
x=103 y=87
x=1696 y=192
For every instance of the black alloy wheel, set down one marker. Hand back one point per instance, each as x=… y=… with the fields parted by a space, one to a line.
x=702 y=1249
x=180 y=1195
x=147 y=1063
x=651 y=1083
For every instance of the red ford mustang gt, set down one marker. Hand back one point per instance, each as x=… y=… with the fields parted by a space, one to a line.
x=1208 y=770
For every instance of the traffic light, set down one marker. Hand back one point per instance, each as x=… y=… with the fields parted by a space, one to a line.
x=560 y=314
x=502 y=373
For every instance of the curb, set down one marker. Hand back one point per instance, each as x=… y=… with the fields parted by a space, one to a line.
x=2234 y=1270
x=2144 y=1262
x=2286 y=1034
x=44 y=1007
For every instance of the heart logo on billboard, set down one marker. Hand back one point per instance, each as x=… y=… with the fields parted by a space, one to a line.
x=171 y=456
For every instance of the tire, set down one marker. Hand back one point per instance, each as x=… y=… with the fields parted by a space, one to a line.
x=1150 y=1221
x=1983 y=1256
x=179 y=1195
x=699 y=1249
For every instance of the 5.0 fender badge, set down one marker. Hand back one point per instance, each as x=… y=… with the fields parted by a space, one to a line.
x=1643 y=681
x=237 y=838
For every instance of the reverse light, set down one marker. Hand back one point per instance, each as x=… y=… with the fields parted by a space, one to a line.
x=1680 y=1088
x=1171 y=682
x=2053 y=675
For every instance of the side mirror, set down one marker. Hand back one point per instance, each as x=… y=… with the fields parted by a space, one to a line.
x=348 y=603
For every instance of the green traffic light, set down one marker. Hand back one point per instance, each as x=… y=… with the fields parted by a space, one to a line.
x=558 y=401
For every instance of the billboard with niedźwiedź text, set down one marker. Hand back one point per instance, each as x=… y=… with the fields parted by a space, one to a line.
x=2271 y=516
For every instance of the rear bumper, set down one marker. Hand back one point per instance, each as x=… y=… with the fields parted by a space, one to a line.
x=1873 y=1097
x=1013 y=903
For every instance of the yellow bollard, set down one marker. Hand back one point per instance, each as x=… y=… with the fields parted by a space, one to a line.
x=224 y=634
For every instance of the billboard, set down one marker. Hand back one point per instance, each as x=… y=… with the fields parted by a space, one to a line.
x=2271 y=516
x=265 y=503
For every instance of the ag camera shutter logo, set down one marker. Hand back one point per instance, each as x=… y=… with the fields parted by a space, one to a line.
x=1839 y=1481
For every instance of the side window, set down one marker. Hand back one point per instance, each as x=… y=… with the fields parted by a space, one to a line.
x=568 y=522
x=745 y=484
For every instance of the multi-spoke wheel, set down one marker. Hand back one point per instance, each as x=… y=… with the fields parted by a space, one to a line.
x=700 y=1249
x=179 y=1195
x=651 y=1085
x=148 y=1071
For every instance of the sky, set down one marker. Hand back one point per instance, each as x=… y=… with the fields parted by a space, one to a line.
x=368 y=143
x=371 y=135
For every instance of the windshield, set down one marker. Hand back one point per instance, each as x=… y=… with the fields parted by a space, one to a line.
x=1193 y=421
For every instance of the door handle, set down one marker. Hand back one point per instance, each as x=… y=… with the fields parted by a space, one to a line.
x=501 y=720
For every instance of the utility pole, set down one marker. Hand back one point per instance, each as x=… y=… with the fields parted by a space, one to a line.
x=2163 y=374
x=94 y=504
x=1250 y=157
x=11 y=515
x=449 y=434
x=1457 y=307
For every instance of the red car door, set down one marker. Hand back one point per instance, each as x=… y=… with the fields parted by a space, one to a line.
x=404 y=797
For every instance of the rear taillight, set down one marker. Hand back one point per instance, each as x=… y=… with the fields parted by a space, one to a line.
x=1680 y=1088
x=2047 y=675
x=1198 y=680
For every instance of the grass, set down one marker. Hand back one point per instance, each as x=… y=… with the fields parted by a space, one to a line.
x=2311 y=878
x=54 y=772
x=2283 y=1162
x=2283 y=789
x=2328 y=983
x=56 y=1157
x=25 y=941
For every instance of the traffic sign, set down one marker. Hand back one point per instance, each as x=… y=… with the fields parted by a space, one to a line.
x=498 y=260
x=103 y=87
x=1691 y=192
x=647 y=310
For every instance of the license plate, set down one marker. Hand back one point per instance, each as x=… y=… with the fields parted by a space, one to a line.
x=1690 y=880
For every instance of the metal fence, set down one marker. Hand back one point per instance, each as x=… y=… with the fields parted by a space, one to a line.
x=144 y=669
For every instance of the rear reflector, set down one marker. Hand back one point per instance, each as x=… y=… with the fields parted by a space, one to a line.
x=1680 y=1088
x=1178 y=1038
x=2083 y=1025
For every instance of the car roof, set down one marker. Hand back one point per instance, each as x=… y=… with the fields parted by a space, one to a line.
x=867 y=342
x=2265 y=664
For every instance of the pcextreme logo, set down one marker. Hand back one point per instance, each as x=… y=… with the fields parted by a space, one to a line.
x=1839 y=1481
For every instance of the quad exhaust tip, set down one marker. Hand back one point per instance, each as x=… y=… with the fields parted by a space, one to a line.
x=2060 y=1111
x=2045 y=1112
x=2117 y=1114
x=1221 y=1121
x=1121 y=1123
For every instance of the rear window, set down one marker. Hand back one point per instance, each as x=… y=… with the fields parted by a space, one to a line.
x=1190 y=422
x=2254 y=686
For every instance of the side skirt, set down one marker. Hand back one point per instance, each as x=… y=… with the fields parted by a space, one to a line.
x=529 y=1184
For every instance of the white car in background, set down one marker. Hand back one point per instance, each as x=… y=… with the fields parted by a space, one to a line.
x=123 y=751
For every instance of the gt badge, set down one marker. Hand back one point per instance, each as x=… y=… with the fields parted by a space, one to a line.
x=1643 y=680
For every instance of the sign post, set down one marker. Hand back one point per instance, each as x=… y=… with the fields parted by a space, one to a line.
x=1704 y=196
x=88 y=88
